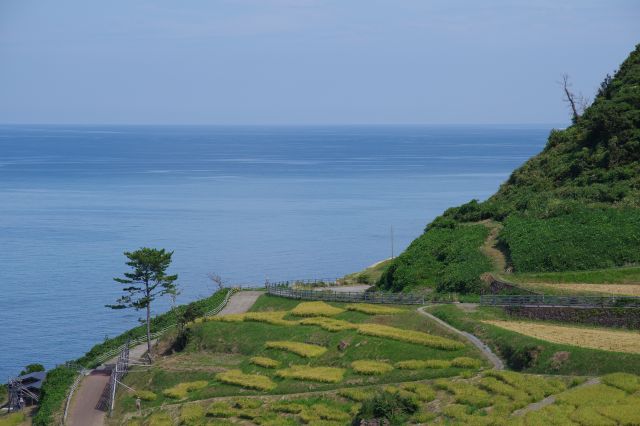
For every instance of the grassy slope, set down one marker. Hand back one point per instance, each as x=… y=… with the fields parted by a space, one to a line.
x=571 y=207
x=629 y=275
x=214 y=346
x=581 y=361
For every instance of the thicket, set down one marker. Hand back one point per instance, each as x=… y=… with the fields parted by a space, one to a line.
x=583 y=239
x=448 y=259
x=54 y=392
x=571 y=207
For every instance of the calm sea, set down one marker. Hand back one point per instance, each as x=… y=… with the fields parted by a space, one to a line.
x=248 y=203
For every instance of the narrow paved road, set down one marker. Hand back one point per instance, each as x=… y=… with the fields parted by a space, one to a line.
x=88 y=405
x=486 y=351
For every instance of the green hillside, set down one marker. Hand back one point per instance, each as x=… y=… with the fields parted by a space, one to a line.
x=574 y=206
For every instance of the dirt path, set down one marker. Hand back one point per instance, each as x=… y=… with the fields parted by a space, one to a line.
x=490 y=249
x=549 y=400
x=241 y=302
x=88 y=407
x=486 y=351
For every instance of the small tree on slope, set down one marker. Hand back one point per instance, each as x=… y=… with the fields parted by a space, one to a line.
x=146 y=281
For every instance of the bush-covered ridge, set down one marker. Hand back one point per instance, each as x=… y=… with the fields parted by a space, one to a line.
x=571 y=207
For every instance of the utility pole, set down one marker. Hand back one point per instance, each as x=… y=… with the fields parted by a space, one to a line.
x=391 y=241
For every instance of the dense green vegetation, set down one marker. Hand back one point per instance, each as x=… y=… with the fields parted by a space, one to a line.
x=172 y=317
x=530 y=355
x=448 y=259
x=571 y=207
x=630 y=275
x=583 y=239
x=54 y=392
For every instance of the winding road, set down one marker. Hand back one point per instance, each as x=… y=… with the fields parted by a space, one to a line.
x=89 y=403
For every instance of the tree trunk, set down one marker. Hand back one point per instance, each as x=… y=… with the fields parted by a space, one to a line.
x=148 y=326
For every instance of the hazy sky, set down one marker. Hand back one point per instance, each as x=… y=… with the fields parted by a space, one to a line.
x=305 y=61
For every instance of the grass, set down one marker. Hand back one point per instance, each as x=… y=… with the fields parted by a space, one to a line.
x=265 y=362
x=369 y=275
x=594 y=338
x=370 y=309
x=215 y=346
x=625 y=275
x=145 y=395
x=409 y=336
x=315 y=309
x=251 y=381
x=13 y=419
x=371 y=367
x=316 y=374
x=303 y=349
x=528 y=354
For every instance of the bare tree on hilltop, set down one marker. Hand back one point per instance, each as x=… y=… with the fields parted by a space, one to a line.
x=578 y=103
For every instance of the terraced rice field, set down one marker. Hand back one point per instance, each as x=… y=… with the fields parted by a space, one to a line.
x=594 y=338
x=616 y=289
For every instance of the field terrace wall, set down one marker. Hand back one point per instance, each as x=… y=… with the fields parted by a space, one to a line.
x=606 y=317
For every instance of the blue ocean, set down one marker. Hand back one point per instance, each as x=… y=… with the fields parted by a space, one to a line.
x=249 y=203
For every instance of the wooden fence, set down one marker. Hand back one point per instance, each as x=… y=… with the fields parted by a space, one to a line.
x=562 y=301
x=283 y=290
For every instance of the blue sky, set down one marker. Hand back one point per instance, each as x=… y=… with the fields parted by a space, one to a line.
x=305 y=61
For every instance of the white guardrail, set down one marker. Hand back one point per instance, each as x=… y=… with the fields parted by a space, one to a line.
x=112 y=353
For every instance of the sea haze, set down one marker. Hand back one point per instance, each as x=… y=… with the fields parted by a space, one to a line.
x=248 y=203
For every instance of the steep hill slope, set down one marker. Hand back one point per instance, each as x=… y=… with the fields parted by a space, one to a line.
x=574 y=206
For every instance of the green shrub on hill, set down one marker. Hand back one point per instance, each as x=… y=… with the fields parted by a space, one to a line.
x=583 y=239
x=446 y=258
x=571 y=207
x=54 y=392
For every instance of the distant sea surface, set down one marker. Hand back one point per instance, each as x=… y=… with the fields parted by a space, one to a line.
x=248 y=203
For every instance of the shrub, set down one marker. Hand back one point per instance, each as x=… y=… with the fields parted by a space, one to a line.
x=317 y=374
x=220 y=409
x=265 y=362
x=180 y=390
x=54 y=391
x=519 y=358
x=355 y=394
x=410 y=336
x=303 y=349
x=145 y=395
x=252 y=381
x=315 y=309
x=465 y=362
x=370 y=309
x=394 y=407
x=419 y=364
x=371 y=367
x=627 y=382
x=191 y=415
x=329 y=324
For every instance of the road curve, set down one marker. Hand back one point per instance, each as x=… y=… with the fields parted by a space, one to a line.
x=486 y=351
x=88 y=406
